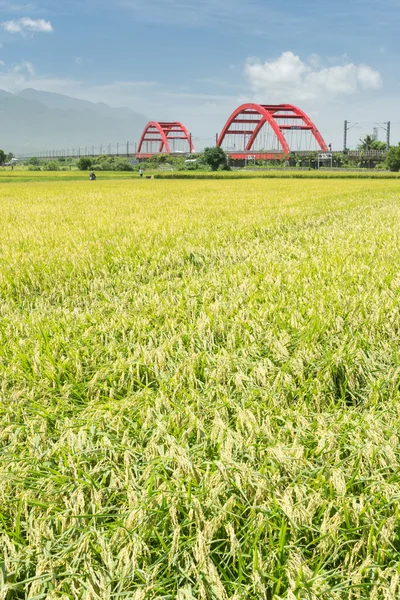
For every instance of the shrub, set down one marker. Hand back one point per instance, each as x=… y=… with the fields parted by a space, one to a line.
x=84 y=163
x=393 y=159
x=122 y=164
x=50 y=166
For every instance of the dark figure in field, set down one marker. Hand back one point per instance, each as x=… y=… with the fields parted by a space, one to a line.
x=92 y=177
x=141 y=173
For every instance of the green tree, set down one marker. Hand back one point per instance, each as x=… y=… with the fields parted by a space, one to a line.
x=366 y=143
x=10 y=156
x=84 y=163
x=377 y=145
x=3 y=157
x=51 y=166
x=122 y=164
x=393 y=158
x=215 y=158
x=34 y=161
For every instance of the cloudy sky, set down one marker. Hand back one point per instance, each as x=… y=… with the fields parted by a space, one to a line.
x=196 y=61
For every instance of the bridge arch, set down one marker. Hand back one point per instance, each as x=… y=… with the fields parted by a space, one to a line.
x=248 y=120
x=160 y=137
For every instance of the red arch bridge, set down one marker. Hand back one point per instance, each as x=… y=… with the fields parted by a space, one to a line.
x=269 y=131
x=263 y=131
x=164 y=138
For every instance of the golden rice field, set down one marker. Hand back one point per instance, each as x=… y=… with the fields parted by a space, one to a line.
x=200 y=385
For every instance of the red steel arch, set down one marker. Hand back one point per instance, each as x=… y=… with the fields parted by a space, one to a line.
x=163 y=133
x=271 y=114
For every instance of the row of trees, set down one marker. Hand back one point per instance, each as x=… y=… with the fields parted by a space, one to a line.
x=216 y=159
x=211 y=159
x=104 y=163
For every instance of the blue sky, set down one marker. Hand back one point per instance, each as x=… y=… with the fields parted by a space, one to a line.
x=196 y=61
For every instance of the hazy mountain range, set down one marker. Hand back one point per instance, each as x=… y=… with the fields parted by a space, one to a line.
x=33 y=121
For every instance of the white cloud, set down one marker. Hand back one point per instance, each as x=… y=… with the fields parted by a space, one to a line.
x=315 y=61
x=24 y=67
x=27 y=25
x=288 y=77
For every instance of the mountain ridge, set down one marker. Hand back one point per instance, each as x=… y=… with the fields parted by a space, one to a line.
x=34 y=121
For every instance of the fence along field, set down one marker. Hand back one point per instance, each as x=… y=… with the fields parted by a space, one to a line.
x=200 y=390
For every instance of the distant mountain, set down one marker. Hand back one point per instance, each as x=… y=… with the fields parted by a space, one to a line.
x=60 y=102
x=33 y=121
x=4 y=94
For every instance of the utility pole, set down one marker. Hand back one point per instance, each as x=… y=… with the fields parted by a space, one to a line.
x=386 y=127
x=388 y=136
x=117 y=148
x=347 y=126
x=216 y=139
x=127 y=148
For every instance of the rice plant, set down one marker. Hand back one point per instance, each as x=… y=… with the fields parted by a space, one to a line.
x=200 y=390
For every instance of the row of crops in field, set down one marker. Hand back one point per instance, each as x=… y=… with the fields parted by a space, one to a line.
x=278 y=174
x=200 y=390
x=25 y=176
